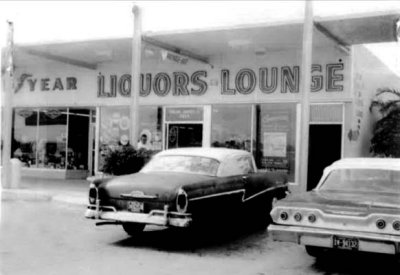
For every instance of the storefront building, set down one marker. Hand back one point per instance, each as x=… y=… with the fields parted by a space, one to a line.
x=73 y=100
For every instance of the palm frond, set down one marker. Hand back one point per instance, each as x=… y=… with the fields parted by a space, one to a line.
x=384 y=107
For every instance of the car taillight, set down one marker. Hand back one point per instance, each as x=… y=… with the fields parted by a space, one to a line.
x=92 y=195
x=380 y=224
x=284 y=216
x=297 y=217
x=312 y=218
x=396 y=225
x=181 y=201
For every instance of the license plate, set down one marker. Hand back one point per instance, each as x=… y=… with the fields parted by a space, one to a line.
x=135 y=206
x=345 y=243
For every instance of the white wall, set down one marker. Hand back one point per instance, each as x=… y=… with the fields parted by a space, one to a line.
x=369 y=75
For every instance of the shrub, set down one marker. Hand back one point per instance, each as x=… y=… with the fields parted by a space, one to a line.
x=121 y=160
x=386 y=139
x=386 y=133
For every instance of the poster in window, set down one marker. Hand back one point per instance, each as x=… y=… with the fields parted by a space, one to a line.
x=276 y=121
x=275 y=144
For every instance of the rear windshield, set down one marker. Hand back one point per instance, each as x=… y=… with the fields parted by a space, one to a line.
x=375 y=180
x=183 y=164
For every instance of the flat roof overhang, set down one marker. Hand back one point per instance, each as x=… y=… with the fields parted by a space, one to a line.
x=202 y=44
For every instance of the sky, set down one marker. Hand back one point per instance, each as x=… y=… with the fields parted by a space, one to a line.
x=42 y=21
x=59 y=21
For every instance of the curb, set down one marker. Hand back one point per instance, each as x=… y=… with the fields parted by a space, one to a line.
x=75 y=200
x=30 y=195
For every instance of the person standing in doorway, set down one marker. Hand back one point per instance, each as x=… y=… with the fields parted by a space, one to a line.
x=144 y=142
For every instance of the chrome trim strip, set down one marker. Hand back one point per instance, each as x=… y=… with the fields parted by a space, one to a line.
x=264 y=191
x=130 y=196
x=238 y=191
x=156 y=217
x=152 y=212
x=303 y=230
x=93 y=206
x=219 y=194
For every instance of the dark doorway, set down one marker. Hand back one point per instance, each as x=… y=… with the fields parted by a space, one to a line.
x=325 y=144
x=184 y=135
x=78 y=139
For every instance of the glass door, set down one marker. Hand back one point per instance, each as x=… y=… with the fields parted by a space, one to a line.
x=184 y=135
x=184 y=127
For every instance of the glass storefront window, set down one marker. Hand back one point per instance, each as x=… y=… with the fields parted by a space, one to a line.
x=150 y=128
x=52 y=138
x=276 y=137
x=231 y=126
x=24 y=136
x=114 y=129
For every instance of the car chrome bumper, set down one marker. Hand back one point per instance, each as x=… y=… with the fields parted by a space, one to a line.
x=156 y=217
x=368 y=242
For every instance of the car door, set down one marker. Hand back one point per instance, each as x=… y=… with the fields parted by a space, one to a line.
x=255 y=183
x=234 y=174
x=242 y=174
x=252 y=181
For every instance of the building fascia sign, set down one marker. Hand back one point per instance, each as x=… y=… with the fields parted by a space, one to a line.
x=268 y=80
x=46 y=83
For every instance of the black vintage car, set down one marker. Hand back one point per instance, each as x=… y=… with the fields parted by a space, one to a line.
x=179 y=187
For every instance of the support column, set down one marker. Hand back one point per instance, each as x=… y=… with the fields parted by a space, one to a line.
x=305 y=92
x=136 y=64
x=6 y=121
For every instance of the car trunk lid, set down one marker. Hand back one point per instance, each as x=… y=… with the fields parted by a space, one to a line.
x=149 y=186
x=347 y=203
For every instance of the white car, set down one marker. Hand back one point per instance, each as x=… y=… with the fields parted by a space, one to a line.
x=355 y=206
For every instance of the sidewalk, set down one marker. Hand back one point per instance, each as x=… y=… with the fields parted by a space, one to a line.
x=60 y=190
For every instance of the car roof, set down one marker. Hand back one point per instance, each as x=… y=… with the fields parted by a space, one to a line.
x=368 y=163
x=219 y=154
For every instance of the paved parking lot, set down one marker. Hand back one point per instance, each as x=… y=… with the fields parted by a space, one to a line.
x=53 y=238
